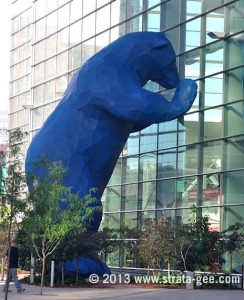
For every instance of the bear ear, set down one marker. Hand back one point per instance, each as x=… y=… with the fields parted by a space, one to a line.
x=161 y=42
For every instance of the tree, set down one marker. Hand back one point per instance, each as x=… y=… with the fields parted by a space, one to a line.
x=13 y=186
x=156 y=244
x=233 y=238
x=54 y=211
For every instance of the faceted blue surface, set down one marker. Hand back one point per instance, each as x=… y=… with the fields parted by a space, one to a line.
x=105 y=102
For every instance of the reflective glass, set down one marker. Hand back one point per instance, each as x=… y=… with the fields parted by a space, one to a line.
x=47 y=110
x=148 y=195
x=40 y=8
x=213 y=90
x=132 y=144
x=130 y=169
x=75 y=33
x=235 y=18
x=129 y=197
x=187 y=160
x=88 y=29
x=186 y=192
x=166 y=193
x=88 y=6
x=148 y=166
x=210 y=187
x=102 y=40
x=63 y=16
x=193 y=34
x=39 y=73
x=63 y=39
x=116 y=12
x=188 y=129
x=234 y=118
x=148 y=138
x=103 y=19
x=112 y=221
x=233 y=85
x=233 y=187
x=52 y=20
x=212 y=156
x=167 y=134
x=75 y=57
x=214 y=58
x=37 y=120
x=38 y=93
x=62 y=63
x=87 y=49
x=213 y=124
x=51 y=44
x=61 y=85
x=49 y=91
x=40 y=29
x=50 y=68
x=233 y=153
x=231 y=215
x=167 y=163
x=116 y=176
x=75 y=10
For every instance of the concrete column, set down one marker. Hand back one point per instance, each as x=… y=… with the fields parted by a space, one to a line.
x=2 y=269
x=52 y=273
x=32 y=269
x=189 y=280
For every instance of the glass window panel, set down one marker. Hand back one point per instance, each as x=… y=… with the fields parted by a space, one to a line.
x=51 y=43
x=212 y=156
x=148 y=166
x=129 y=197
x=210 y=187
x=233 y=153
x=40 y=8
x=52 y=22
x=213 y=90
x=190 y=64
x=88 y=29
x=22 y=84
x=51 y=5
x=22 y=68
x=148 y=195
x=102 y=40
x=132 y=144
x=15 y=56
x=61 y=85
x=75 y=57
x=49 y=91
x=186 y=192
x=38 y=93
x=88 y=6
x=233 y=187
x=215 y=22
x=233 y=85
x=103 y=19
x=167 y=163
x=13 y=120
x=214 y=58
x=62 y=63
x=148 y=138
x=40 y=29
x=187 y=160
x=166 y=193
x=235 y=12
x=231 y=215
x=116 y=12
x=47 y=110
x=39 y=73
x=87 y=49
x=112 y=221
x=188 y=129
x=112 y=198
x=50 y=68
x=37 y=120
x=130 y=169
x=234 y=118
x=21 y=101
x=22 y=117
x=193 y=33
x=213 y=214
x=116 y=176
x=167 y=134
x=75 y=10
x=213 y=124
x=75 y=33
x=63 y=39
x=63 y=16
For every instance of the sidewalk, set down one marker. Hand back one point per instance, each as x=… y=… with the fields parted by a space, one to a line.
x=117 y=292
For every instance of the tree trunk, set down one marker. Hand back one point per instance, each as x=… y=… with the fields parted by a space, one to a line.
x=43 y=273
x=62 y=271
x=77 y=269
x=168 y=268
x=8 y=262
x=231 y=263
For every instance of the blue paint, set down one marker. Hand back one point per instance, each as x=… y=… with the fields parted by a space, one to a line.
x=104 y=103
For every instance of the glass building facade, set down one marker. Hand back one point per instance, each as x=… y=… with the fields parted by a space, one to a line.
x=163 y=170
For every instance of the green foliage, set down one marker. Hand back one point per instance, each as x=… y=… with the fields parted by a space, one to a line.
x=54 y=212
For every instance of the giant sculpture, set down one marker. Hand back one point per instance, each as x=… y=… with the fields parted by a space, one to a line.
x=104 y=103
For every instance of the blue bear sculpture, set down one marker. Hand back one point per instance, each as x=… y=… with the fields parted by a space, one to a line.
x=104 y=103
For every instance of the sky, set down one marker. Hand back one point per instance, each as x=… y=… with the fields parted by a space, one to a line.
x=4 y=52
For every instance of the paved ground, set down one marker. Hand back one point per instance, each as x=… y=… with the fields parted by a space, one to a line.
x=131 y=293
